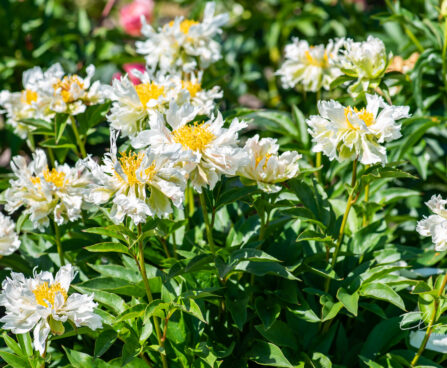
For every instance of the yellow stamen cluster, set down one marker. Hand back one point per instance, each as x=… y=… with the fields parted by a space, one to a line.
x=28 y=96
x=149 y=91
x=314 y=62
x=35 y=180
x=53 y=176
x=46 y=294
x=193 y=88
x=363 y=114
x=65 y=86
x=150 y=172
x=260 y=158
x=185 y=25
x=194 y=137
x=130 y=163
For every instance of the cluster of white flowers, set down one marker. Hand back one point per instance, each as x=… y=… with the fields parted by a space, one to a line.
x=42 y=303
x=43 y=192
x=310 y=67
x=9 y=240
x=346 y=133
x=435 y=225
x=183 y=44
x=133 y=104
x=314 y=67
x=49 y=92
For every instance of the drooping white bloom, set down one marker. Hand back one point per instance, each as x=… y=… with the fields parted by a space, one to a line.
x=436 y=342
x=266 y=166
x=309 y=67
x=367 y=61
x=435 y=225
x=138 y=184
x=346 y=133
x=45 y=193
x=42 y=304
x=183 y=44
x=9 y=240
x=33 y=101
x=212 y=149
x=134 y=103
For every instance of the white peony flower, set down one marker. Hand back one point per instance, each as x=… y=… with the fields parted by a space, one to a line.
x=212 y=149
x=42 y=303
x=9 y=240
x=309 y=66
x=139 y=184
x=367 y=61
x=43 y=192
x=435 y=225
x=183 y=44
x=134 y=103
x=346 y=133
x=436 y=342
x=266 y=166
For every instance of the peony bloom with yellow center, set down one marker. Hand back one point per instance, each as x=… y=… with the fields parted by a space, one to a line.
x=183 y=45
x=347 y=133
x=266 y=166
x=210 y=149
x=435 y=225
x=133 y=104
x=9 y=240
x=308 y=67
x=72 y=93
x=367 y=61
x=138 y=185
x=44 y=193
x=42 y=304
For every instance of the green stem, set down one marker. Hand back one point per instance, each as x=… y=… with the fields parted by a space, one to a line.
x=365 y=217
x=190 y=194
x=142 y=267
x=51 y=156
x=351 y=201
x=444 y=63
x=57 y=237
x=209 y=230
x=78 y=138
x=430 y=323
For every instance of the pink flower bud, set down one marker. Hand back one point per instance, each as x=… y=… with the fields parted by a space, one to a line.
x=130 y=15
x=131 y=66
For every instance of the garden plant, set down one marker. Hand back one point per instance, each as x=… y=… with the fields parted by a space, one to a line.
x=238 y=183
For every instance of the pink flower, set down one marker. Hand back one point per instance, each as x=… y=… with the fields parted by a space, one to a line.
x=131 y=66
x=130 y=15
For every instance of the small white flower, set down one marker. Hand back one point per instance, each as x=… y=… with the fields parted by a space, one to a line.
x=183 y=44
x=436 y=342
x=9 y=240
x=42 y=303
x=44 y=192
x=139 y=184
x=367 y=61
x=345 y=133
x=435 y=225
x=309 y=66
x=211 y=149
x=266 y=166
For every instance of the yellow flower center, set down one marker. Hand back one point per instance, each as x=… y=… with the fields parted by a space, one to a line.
x=192 y=87
x=130 y=163
x=185 y=25
x=28 y=96
x=65 y=86
x=260 y=158
x=363 y=114
x=35 y=180
x=149 y=91
x=315 y=62
x=194 y=137
x=53 y=176
x=44 y=293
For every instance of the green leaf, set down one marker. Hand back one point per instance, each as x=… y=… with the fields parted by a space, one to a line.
x=279 y=334
x=12 y=344
x=108 y=247
x=265 y=353
x=268 y=312
x=104 y=341
x=350 y=301
x=382 y=292
x=13 y=360
x=191 y=307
